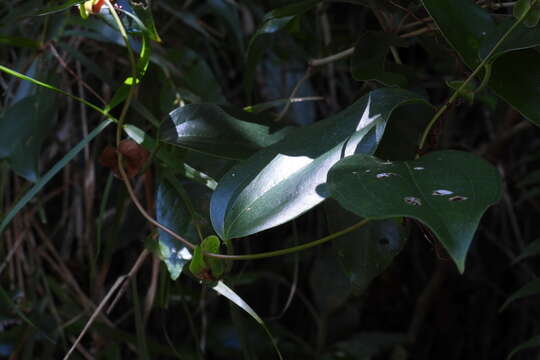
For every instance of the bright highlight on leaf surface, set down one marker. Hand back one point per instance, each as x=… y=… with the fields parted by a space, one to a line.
x=284 y=180
x=448 y=191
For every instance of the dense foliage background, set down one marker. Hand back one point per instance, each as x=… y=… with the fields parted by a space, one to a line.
x=239 y=77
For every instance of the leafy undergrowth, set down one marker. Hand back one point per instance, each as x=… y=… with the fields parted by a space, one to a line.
x=227 y=179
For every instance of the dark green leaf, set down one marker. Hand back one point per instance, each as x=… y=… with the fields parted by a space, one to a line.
x=532 y=249
x=533 y=342
x=23 y=127
x=533 y=17
x=463 y=24
x=57 y=8
x=368 y=61
x=529 y=289
x=285 y=180
x=220 y=131
x=365 y=346
x=329 y=283
x=519 y=39
x=367 y=252
x=515 y=75
x=20 y=42
x=273 y=22
x=173 y=212
x=447 y=190
x=521 y=8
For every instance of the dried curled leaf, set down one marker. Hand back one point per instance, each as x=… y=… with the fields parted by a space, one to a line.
x=134 y=157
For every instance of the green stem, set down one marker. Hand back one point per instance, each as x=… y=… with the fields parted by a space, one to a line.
x=456 y=93
x=291 y=249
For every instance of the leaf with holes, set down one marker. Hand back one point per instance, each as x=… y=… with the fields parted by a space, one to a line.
x=448 y=191
x=280 y=182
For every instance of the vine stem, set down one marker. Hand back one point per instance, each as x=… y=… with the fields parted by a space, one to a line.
x=483 y=64
x=291 y=249
x=150 y=219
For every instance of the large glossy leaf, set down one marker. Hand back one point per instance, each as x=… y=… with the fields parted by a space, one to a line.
x=448 y=191
x=224 y=132
x=515 y=76
x=529 y=289
x=280 y=182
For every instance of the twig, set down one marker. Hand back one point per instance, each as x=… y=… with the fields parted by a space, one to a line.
x=94 y=315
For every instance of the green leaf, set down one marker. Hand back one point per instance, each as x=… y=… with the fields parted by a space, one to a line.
x=57 y=8
x=367 y=252
x=532 y=19
x=226 y=291
x=144 y=13
x=173 y=212
x=519 y=39
x=532 y=249
x=207 y=268
x=273 y=22
x=448 y=191
x=521 y=8
x=284 y=180
x=36 y=188
x=329 y=283
x=220 y=131
x=198 y=266
x=529 y=289
x=23 y=128
x=533 y=342
x=463 y=24
x=20 y=42
x=368 y=61
x=370 y=344
x=514 y=75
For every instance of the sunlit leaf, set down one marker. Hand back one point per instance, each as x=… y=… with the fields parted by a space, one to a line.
x=448 y=191
x=284 y=180
x=226 y=291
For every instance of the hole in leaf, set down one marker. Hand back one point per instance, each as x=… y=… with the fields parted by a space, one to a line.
x=385 y=175
x=411 y=200
x=441 y=192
